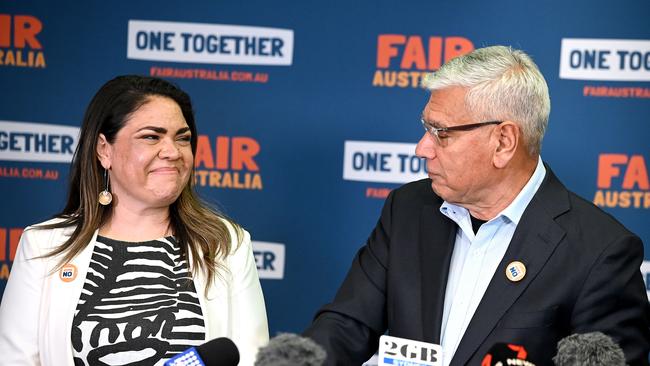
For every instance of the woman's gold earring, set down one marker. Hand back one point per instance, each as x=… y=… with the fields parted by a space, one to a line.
x=105 y=197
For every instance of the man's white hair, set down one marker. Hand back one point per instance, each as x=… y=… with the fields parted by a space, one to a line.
x=503 y=84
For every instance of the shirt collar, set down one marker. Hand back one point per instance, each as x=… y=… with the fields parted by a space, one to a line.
x=515 y=209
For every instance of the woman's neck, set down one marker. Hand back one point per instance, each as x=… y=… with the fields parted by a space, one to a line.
x=129 y=224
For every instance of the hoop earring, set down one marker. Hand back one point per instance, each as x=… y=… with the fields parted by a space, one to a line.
x=105 y=197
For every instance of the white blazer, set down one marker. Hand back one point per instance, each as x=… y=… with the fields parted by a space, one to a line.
x=38 y=305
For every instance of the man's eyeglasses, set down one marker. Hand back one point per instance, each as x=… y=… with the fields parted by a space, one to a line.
x=441 y=133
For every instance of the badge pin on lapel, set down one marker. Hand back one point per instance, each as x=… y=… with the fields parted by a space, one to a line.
x=68 y=273
x=516 y=271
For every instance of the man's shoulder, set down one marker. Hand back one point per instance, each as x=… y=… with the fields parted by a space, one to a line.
x=596 y=219
x=419 y=191
x=579 y=217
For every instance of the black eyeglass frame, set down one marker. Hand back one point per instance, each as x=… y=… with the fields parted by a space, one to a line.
x=435 y=131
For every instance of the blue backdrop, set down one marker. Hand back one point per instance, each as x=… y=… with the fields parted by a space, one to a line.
x=297 y=102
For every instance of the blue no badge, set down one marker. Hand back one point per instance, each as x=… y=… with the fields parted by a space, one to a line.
x=396 y=351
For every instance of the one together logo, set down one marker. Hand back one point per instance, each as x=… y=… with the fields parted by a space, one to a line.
x=19 y=45
x=607 y=60
x=35 y=142
x=403 y=60
x=269 y=259
x=622 y=181
x=227 y=162
x=9 y=239
x=381 y=162
x=209 y=44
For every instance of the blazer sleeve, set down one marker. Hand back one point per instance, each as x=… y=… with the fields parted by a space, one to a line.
x=249 y=323
x=20 y=307
x=349 y=328
x=613 y=300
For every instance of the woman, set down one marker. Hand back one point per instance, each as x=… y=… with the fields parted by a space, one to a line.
x=135 y=269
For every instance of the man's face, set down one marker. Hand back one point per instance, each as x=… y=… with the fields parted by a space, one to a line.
x=458 y=162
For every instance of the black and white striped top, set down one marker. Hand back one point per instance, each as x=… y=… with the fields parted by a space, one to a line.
x=138 y=305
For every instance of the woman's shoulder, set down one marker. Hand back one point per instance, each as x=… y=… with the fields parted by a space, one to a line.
x=231 y=225
x=41 y=238
x=52 y=228
x=239 y=237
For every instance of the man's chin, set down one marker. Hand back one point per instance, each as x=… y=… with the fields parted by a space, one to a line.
x=440 y=191
x=435 y=188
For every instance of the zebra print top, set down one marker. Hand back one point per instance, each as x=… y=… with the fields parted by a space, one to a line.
x=138 y=305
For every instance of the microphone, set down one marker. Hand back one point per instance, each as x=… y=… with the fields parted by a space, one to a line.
x=503 y=354
x=288 y=349
x=219 y=351
x=403 y=351
x=593 y=349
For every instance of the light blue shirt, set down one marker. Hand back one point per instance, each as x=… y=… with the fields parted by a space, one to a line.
x=475 y=260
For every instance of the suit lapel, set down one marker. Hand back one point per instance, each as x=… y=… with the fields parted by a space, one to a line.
x=536 y=237
x=436 y=240
x=63 y=298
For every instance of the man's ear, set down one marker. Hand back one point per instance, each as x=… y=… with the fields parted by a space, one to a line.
x=508 y=140
x=104 y=151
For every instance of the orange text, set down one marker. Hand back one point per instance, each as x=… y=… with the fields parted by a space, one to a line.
x=409 y=52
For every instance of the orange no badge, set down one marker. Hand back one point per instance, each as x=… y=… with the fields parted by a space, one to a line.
x=68 y=273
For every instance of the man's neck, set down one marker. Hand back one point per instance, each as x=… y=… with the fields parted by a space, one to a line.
x=504 y=190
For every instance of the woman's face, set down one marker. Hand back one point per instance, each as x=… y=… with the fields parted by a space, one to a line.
x=151 y=158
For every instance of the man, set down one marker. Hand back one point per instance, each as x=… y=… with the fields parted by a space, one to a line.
x=492 y=247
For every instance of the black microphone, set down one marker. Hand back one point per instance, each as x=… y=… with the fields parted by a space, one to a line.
x=593 y=349
x=217 y=352
x=290 y=350
x=504 y=354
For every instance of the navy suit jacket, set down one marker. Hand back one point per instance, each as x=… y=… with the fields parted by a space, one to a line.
x=582 y=275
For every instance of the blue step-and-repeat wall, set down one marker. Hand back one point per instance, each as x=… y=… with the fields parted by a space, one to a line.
x=308 y=112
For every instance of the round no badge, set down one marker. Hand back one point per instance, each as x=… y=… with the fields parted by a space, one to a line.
x=516 y=271
x=68 y=272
